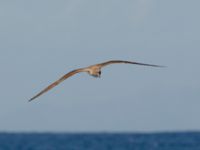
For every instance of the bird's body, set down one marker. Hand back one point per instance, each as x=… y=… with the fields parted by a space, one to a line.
x=94 y=70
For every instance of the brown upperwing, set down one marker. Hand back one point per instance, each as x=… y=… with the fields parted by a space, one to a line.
x=58 y=81
x=127 y=62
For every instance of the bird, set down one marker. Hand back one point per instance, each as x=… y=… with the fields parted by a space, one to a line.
x=93 y=70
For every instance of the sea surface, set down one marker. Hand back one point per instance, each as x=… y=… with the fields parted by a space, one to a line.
x=100 y=141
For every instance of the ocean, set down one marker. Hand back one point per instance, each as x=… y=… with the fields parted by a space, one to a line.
x=100 y=141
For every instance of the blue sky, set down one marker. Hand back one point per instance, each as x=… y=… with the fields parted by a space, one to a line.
x=42 y=40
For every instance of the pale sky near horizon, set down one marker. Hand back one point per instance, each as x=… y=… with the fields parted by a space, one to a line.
x=42 y=40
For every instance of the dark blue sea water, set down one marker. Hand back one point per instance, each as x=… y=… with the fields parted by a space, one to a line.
x=100 y=141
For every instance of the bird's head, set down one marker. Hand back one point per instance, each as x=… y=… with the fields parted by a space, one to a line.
x=95 y=71
x=96 y=74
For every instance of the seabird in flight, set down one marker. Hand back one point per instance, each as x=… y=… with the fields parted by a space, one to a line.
x=94 y=70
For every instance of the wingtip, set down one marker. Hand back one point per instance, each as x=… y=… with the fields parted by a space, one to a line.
x=30 y=99
x=162 y=66
x=157 y=66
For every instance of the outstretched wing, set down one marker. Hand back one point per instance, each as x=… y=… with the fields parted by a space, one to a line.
x=126 y=62
x=58 y=81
